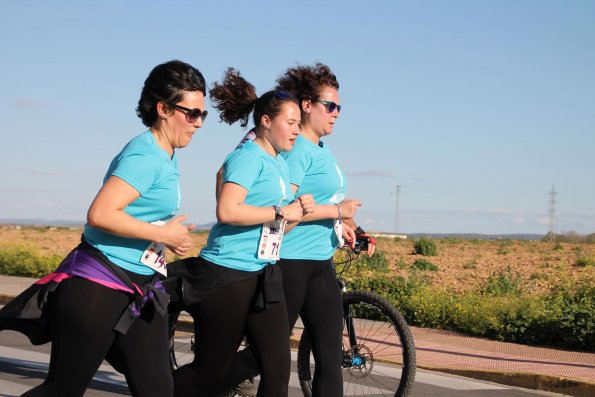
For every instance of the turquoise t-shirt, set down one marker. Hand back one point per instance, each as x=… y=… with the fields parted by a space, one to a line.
x=314 y=169
x=145 y=166
x=266 y=179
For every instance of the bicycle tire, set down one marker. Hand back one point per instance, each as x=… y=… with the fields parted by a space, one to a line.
x=181 y=340
x=394 y=373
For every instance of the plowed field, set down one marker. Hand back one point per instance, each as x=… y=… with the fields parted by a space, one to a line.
x=462 y=264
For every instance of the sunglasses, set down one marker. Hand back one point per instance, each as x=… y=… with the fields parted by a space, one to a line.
x=330 y=106
x=283 y=95
x=191 y=114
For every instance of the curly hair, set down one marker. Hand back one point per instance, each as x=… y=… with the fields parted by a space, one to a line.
x=167 y=82
x=235 y=98
x=306 y=82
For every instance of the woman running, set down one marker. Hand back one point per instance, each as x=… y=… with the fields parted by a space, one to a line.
x=234 y=286
x=106 y=300
x=309 y=283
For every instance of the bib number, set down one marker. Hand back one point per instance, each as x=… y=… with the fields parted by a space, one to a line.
x=270 y=240
x=154 y=255
x=338 y=226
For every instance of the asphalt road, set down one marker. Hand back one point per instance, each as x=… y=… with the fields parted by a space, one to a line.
x=23 y=366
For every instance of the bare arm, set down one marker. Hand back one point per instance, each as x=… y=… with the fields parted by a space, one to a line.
x=231 y=208
x=330 y=211
x=107 y=213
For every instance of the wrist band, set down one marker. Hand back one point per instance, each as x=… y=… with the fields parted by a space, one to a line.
x=340 y=212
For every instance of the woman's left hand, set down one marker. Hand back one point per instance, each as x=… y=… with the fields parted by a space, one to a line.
x=349 y=235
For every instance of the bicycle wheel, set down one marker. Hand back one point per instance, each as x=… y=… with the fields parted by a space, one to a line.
x=378 y=349
x=181 y=339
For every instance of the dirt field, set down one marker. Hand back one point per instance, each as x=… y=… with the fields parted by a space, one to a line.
x=462 y=264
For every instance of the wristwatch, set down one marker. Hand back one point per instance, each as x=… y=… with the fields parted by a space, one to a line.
x=278 y=214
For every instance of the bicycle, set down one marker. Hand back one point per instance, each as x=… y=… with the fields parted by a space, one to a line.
x=378 y=348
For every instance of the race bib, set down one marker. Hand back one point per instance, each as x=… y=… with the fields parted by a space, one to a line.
x=154 y=255
x=270 y=240
x=338 y=226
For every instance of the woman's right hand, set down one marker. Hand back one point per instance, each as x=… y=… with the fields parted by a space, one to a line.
x=349 y=208
x=307 y=202
x=176 y=235
x=293 y=212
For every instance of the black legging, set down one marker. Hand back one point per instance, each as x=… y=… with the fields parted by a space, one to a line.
x=311 y=291
x=82 y=315
x=220 y=321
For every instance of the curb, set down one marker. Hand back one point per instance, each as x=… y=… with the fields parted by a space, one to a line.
x=555 y=384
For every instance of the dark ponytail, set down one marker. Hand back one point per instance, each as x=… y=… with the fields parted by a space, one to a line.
x=235 y=98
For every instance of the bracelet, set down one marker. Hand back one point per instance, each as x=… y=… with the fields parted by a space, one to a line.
x=340 y=212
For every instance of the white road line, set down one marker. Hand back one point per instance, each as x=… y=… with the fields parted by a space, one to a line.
x=38 y=360
x=11 y=389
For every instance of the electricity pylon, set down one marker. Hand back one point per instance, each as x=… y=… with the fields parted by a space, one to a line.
x=552 y=212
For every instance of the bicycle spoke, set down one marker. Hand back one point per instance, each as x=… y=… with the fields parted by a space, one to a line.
x=379 y=356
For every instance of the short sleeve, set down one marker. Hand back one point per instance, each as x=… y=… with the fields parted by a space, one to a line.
x=298 y=161
x=242 y=168
x=139 y=170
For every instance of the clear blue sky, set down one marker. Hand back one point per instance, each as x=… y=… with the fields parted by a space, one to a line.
x=474 y=108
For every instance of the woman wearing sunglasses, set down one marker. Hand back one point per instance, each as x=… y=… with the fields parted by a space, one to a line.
x=310 y=285
x=309 y=282
x=105 y=300
x=234 y=286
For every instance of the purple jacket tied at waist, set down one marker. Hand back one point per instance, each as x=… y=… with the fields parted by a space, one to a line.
x=26 y=313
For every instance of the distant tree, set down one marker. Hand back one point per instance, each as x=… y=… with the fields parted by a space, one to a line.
x=573 y=237
x=570 y=237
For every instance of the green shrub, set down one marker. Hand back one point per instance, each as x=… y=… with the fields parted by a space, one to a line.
x=504 y=283
x=585 y=262
x=564 y=318
x=377 y=262
x=422 y=264
x=20 y=260
x=425 y=247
